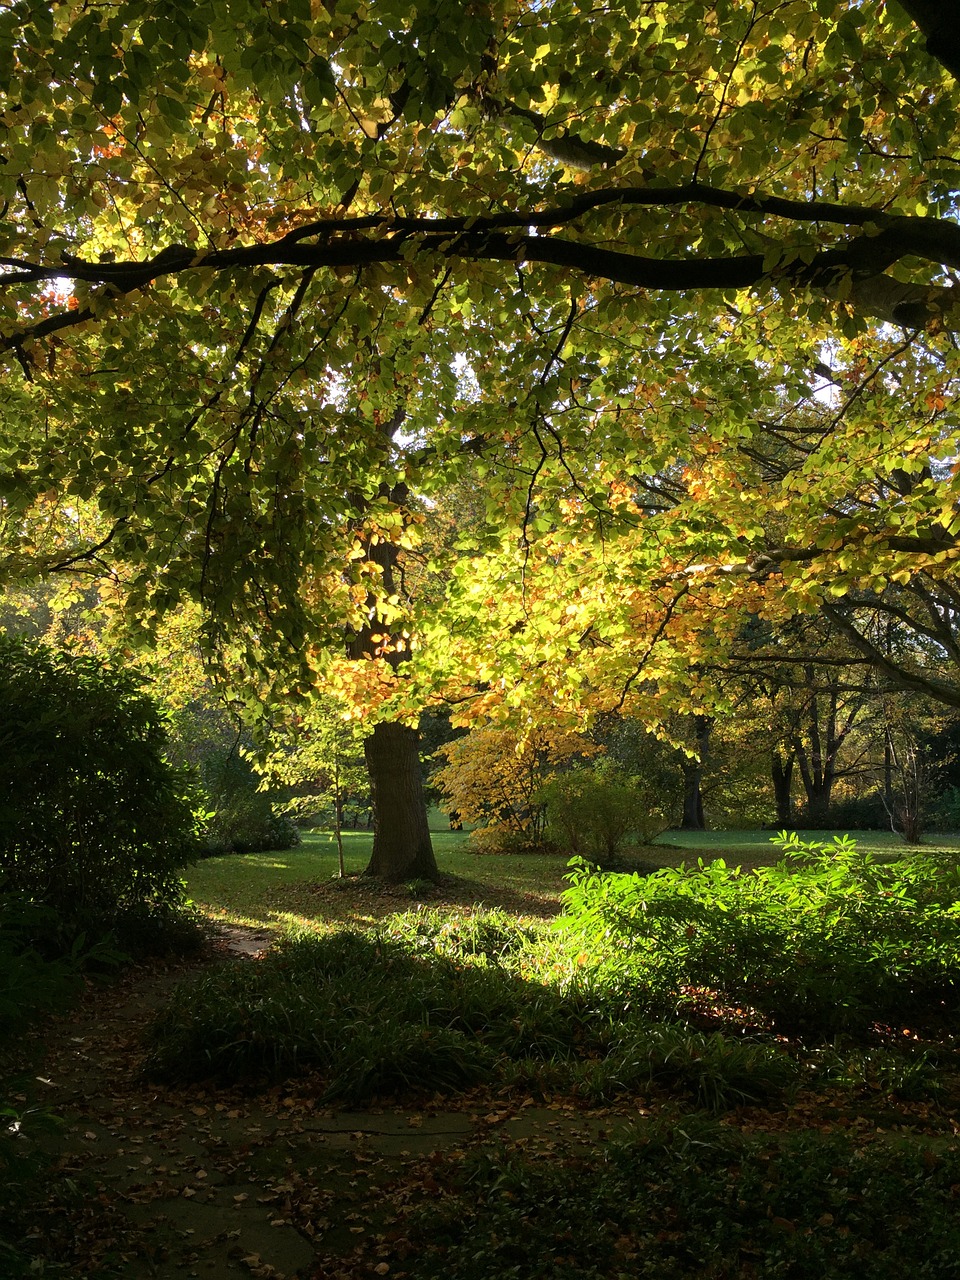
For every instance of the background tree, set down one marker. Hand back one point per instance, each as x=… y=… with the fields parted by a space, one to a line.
x=322 y=755
x=495 y=779
x=592 y=261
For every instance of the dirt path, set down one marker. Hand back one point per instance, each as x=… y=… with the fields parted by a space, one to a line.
x=198 y=1182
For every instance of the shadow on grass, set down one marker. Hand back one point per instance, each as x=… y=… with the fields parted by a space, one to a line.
x=358 y=900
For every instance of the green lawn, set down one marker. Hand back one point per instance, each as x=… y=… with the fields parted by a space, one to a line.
x=262 y=888
x=274 y=889
x=747 y=844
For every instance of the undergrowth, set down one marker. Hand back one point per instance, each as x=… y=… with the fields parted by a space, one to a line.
x=697 y=1199
x=723 y=988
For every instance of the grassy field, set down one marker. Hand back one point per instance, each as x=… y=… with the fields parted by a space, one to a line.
x=276 y=890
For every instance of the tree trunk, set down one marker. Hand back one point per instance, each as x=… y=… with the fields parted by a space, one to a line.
x=781 y=771
x=818 y=804
x=402 y=849
x=693 y=818
x=401 y=838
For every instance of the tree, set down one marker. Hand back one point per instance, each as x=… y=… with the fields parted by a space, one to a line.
x=496 y=778
x=323 y=753
x=592 y=258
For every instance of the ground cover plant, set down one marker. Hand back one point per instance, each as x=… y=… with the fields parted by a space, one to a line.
x=689 y=978
x=444 y=999
x=690 y=1198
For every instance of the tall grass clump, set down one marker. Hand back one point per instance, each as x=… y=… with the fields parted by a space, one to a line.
x=435 y=1005
x=373 y=1014
x=828 y=940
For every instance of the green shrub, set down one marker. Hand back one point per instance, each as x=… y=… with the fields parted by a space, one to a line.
x=944 y=813
x=22 y=1170
x=373 y=1014
x=35 y=977
x=494 y=935
x=242 y=817
x=827 y=941
x=94 y=822
x=592 y=811
x=716 y=1071
x=860 y=813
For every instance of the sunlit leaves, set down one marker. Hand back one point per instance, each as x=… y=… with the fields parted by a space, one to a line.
x=237 y=429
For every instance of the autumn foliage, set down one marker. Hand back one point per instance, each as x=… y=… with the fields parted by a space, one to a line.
x=494 y=779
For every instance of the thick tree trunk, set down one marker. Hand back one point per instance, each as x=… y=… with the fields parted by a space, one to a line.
x=693 y=818
x=401 y=838
x=818 y=805
x=402 y=849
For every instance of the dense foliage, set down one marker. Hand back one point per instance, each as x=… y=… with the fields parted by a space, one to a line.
x=94 y=823
x=688 y=982
x=494 y=778
x=665 y=282
x=689 y=1199
x=592 y=812
x=829 y=940
x=241 y=816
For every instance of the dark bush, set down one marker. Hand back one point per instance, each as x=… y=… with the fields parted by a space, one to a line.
x=860 y=813
x=37 y=972
x=94 y=822
x=242 y=818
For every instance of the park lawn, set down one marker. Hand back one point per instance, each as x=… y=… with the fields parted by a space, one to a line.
x=277 y=890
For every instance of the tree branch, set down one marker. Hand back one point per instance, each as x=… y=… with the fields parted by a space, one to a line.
x=855 y=269
x=939 y=22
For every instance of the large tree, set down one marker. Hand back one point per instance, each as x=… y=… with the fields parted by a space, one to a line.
x=590 y=254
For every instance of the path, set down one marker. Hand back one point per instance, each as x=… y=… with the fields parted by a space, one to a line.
x=199 y=1182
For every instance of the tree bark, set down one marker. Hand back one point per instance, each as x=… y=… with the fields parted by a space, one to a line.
x=781 y=771
x=402 y=849
x=693 y=816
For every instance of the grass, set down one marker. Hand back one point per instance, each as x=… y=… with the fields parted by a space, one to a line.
x=274 y=890
x=754 y=846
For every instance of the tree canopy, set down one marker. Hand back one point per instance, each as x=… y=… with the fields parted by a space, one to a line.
x=671 y=283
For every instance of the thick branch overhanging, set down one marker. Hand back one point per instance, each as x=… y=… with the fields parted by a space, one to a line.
x=853 y=270
x=939 y=21
x=919 y=682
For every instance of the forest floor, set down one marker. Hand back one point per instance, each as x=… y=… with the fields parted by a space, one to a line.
x=189 y=1182
x=150 y=1181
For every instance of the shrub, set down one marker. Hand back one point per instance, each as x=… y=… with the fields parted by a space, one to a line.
x=242 y=818
x=945 y=810
x=375 y=1015
x=493 y=779
x=827 y=941
x=94 y=822
x=35 y=977
x=860 y=813
x=717 y=1071
x=591 y=812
